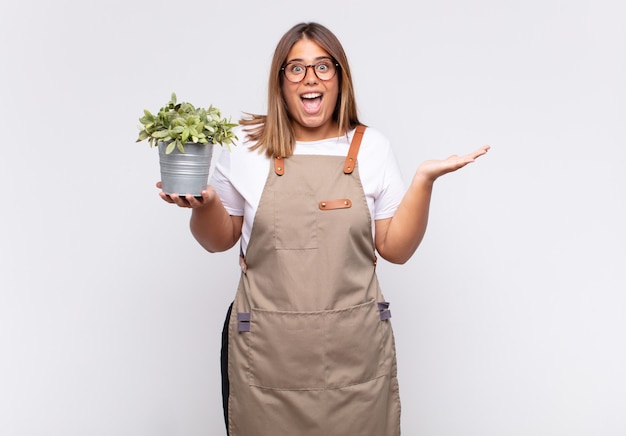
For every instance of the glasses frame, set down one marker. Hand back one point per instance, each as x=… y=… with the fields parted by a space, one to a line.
x=306 y=69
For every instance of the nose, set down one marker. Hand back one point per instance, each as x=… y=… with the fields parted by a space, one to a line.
x=310 y=78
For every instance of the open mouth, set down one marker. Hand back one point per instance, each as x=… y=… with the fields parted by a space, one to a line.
x=311 y=102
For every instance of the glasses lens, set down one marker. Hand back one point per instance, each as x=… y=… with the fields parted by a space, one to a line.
x=295 y=72
x=324 y=70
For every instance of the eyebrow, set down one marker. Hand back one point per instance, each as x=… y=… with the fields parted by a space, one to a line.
x=319 y=58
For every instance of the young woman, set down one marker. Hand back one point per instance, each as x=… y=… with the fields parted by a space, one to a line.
x=313 y=197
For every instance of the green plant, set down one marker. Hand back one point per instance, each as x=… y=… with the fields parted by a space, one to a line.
x=179 y=123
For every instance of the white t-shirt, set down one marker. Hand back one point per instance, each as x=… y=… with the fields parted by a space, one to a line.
x=239 y=176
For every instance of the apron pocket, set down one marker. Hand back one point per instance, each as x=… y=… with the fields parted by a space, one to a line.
x=286 y=350
x=295 y=222
x=315 y=350
x=353 y=345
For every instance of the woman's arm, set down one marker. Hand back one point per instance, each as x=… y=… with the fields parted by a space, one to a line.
x=398 y=237
x=211 y=224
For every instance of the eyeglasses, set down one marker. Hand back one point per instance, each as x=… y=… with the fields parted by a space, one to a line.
x=324 y=69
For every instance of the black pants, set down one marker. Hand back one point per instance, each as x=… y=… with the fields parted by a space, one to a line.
x=224 y=366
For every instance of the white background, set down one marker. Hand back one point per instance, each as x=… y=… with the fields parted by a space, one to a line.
x=510 y=319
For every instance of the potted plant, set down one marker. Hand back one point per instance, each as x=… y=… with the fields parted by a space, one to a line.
x=185 y=136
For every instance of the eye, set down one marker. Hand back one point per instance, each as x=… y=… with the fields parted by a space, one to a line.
x=323 y=66
x=296 y=68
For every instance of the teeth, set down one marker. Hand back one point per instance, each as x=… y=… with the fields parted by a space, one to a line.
x=311 y=95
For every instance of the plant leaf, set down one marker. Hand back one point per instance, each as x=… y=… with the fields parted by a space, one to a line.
x=143 y=135
x=170 y=147
x=161 y=134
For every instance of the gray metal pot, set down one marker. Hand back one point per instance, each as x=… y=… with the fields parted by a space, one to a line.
x=185 y=173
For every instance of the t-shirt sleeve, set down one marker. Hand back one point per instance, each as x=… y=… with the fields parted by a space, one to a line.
x=392 y=188
x=232 y=200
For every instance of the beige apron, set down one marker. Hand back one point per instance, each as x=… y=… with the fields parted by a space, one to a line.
x=311 y=350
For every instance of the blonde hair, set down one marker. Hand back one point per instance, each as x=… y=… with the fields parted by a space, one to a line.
x=273 y=133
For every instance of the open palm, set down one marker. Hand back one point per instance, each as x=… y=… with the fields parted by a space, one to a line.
x=432 y=169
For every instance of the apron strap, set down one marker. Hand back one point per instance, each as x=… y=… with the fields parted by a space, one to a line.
x=348 y=167
x=279 y=166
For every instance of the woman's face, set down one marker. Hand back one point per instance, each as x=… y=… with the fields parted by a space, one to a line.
x=312 y=101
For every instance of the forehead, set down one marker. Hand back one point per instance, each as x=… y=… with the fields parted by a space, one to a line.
x=307 y=51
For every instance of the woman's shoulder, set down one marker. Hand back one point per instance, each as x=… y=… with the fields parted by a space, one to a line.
x=375 y=135
x=375 y=141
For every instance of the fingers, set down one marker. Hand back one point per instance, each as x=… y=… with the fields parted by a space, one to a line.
x=167 y=198
x=456 y=160
x=188 y=200
x=194 y=202
x=468 y=158
x=481 y=151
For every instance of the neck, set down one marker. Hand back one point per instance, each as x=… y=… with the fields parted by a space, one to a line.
x=307 y=134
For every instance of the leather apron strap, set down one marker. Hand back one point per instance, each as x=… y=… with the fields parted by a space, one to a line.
x=354 y=150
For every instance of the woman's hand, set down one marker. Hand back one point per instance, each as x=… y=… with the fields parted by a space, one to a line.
x=189 y=201
x=430 y=170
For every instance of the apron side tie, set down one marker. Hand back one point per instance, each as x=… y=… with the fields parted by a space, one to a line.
x=243 y=324
x=383 y=309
